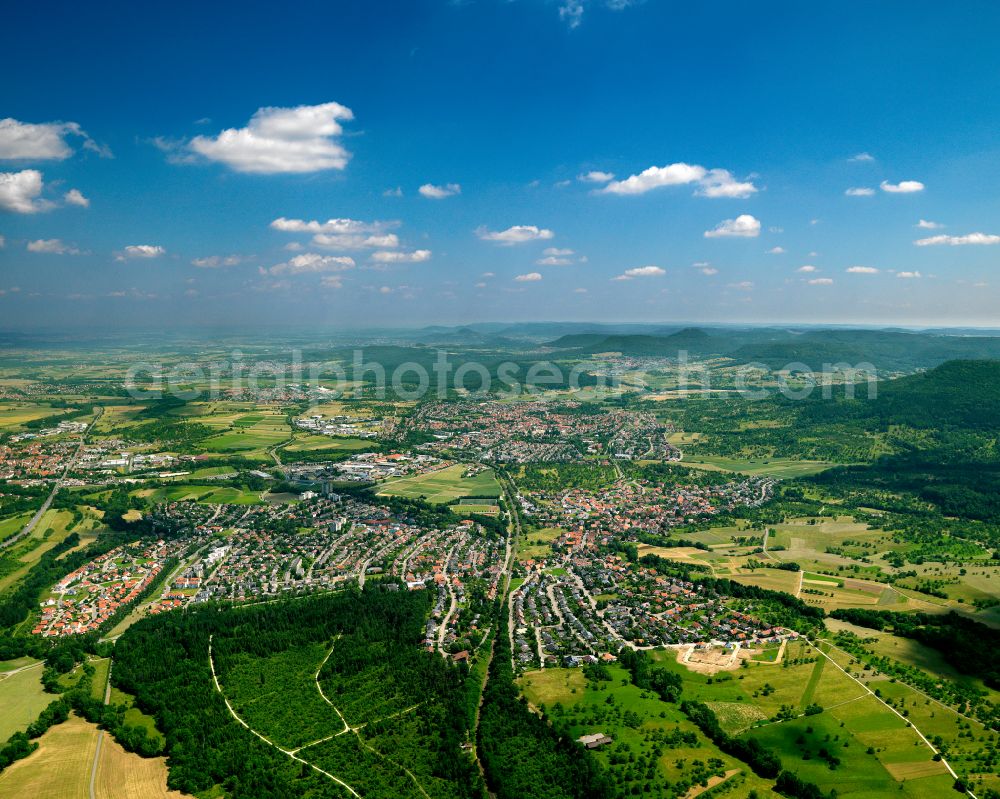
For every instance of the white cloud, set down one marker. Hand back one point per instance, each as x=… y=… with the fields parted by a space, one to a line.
x=433 y=192
x=656 y=176
x=712 y=183
x=641 y=271
x=744 y=225
x=721 y=183
x=571 y=12
x=807 y=268
x=596 y=176
x=928 y=225
x=24 y=141
x=903 y=187
x=743 y=285
x=142 y=251
x=862 y=270
x=517 y=234
x=554 y=260
x=352 y=241
x=332 y=282
x=217 y=261
x=3 y=242
x=335 y=226
x=860 y=192
x=957 y=241
x=557 y=256
x=75 y=197
x=580 y=290
x=821 y=281
x=776 y=251
x=396 y=192
x=706 y=269
x=19 y=192
x=389 y=257
x=312 y=263
x=908 y=275
x=861 y=157
x=52 y=246
x=276 y=140
x=531 y=277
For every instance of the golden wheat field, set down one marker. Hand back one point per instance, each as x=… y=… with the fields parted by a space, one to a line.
x=61 y=767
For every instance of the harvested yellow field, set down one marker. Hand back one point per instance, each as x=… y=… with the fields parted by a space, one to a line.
x=122 y=775
x=59 y=768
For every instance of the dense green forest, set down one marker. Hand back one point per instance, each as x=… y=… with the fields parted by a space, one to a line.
x=164 y=662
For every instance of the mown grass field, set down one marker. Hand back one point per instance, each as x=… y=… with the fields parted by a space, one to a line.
x=772 y=467
x=443 y=485
x=21 y=700
x=209 y=495
x=314 y=443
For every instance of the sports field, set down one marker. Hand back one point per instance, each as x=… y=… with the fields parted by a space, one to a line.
x=443 y=485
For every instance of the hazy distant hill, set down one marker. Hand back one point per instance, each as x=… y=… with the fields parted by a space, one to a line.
x=467 y=337
x=886 y=350
x=690 y=339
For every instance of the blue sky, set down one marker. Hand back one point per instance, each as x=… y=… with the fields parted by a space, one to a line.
x=180 y=165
